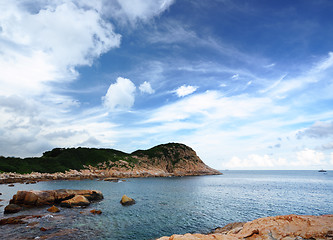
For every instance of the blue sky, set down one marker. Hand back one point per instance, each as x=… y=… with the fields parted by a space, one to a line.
x=247 y=84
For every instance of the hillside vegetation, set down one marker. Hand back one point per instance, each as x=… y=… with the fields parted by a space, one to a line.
x=63 y=159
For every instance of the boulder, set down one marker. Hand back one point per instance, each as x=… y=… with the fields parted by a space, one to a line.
x=126 y=201
x=12 y=208
x=76 y=201
x=50 y=197
x=53 y=209
x=111 y=179
x=94 y=211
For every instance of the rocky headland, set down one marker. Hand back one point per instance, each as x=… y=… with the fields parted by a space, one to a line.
x=288 y=227
x=172 y=159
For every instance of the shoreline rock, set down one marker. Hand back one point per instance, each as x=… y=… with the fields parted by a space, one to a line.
x=287 y=227
x=64 y=197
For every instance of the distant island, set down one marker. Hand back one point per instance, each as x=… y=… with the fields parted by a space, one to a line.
x=172 y=159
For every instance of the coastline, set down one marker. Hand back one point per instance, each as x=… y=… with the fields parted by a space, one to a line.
x=286 y=227
x=30 y=178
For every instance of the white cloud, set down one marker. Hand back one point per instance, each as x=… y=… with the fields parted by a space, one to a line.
x=319 y=129
x=120 y=95
x=212 y=106
x=255 y=161
x=146 y=88
x=134 y=10
x=46 y=45
x=185 y=90
x=331 y=161
x=235 y=76
x=309 y=157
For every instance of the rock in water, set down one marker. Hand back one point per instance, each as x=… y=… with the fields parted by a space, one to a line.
x=126 y=201
x=76 y=201
x=12 y=208
x=53 y=209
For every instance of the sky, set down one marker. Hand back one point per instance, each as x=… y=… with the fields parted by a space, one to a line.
x=248 y=84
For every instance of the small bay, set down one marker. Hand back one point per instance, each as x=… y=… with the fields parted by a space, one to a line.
x=177 y=205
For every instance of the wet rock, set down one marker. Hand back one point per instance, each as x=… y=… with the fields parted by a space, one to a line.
x=53 y=209
x=50 y=197
x=0 y=193
x=94 y=211
x=76 y=201
x=43 y=229
x=12 y=208
x=126 y=201
x=111 y=179
x=11 y=185
x=18 y=219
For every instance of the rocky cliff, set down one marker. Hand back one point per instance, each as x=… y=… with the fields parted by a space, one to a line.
x=172 y=159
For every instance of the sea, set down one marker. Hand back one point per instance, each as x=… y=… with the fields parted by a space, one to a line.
x=174 y=205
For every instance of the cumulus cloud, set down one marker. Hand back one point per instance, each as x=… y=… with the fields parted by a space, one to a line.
x=309 y=157
x=146 y=88
x=120 y=95
x=45 y=43
x=185 y=90
x=306 y=158
x=255 y=161
x=317 y=130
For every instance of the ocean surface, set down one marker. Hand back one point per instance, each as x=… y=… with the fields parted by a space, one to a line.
x=176 y=205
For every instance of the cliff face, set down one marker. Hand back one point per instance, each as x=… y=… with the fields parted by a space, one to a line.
x=172 y=159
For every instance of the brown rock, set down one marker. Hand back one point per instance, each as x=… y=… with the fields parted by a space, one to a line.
x=111 y=179
x=126 y=201
x=18 y=219
x=11 y=185
x=53 y=209
x=96 y=211
x=43 y=229
x=50 y=197
x=279 y=227
x=12 y=208
x=76 y=201
x=230 y=228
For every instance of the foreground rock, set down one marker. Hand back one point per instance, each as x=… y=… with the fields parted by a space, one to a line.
x=126 y=201
x=51 y=197
x=76 y=201
x=287 y=227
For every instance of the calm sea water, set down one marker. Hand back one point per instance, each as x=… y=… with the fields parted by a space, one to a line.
x=166 y=206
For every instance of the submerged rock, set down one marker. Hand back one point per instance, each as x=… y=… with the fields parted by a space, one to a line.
x=111 y=179
x=76 y=201
x=94 y=211
x=126 y=201
x=12 y=208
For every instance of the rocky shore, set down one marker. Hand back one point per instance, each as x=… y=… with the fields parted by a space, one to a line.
x=288 y=227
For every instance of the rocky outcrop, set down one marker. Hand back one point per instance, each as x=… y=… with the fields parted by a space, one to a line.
x=50 y=197
x=76 y=201
x=126 y=201
x=287 y=227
